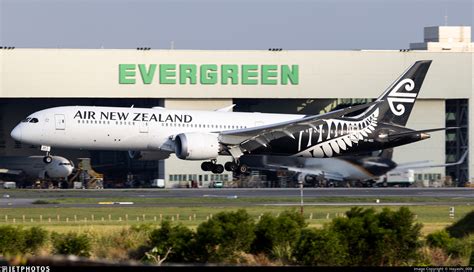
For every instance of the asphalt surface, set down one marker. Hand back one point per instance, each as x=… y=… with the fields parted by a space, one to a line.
x=248 y=192
x=25 y=198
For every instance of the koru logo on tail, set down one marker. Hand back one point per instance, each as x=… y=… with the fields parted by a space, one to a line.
x=401 y=97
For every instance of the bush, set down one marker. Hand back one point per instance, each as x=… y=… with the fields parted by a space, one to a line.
x=471 y=259
x=35 y=238
x=221 y=238
x=16 y=240
x=463 y=227
x=12 y=240
x=402 y=234
x=451 y=246
x=142 y=228
x=320 y=247
x=276 y=236
x=178 y=238
x=71 y=243
x=368 y=234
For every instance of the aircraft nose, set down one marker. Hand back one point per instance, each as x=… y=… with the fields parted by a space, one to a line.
x=68 y=171
x=16 y=133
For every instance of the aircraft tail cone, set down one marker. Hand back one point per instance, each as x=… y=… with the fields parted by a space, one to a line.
x=424 y=136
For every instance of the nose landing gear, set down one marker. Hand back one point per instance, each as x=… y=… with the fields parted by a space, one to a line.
x=47 y=158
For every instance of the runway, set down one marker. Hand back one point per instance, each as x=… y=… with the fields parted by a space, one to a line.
x=248 y=192
x=235 y=196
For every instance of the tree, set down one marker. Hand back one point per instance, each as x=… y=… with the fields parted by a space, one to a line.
x=463 y=227
x=223 y=236
x=71 y=243
x=402 y=234
x=387 y=238
x=450 y=245
x=175 y=242
x=320 y=247
x=276 y=236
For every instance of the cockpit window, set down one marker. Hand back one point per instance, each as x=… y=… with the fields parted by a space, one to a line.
x=26 y=120
x=34 y=120
x=64 y=163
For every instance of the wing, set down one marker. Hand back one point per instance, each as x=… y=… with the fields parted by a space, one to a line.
x=252 y=138
x=10 y=171
x=419 y=165
x=307 y=171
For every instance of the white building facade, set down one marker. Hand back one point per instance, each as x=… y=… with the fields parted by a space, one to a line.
x=278 y=81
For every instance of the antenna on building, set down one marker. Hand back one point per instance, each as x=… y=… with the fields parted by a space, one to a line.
x=172 y=45
x=446 y=17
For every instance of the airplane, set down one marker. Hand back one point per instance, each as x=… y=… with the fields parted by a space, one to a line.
x=35 y=167
x=204 y=135
x=360 y=169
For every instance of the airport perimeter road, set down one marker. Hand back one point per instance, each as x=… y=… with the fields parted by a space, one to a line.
x=245 y=192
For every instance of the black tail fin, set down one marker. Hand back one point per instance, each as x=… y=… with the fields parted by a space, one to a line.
x=400 y=97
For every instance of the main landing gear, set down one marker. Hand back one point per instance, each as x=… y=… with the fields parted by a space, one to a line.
x=47 y=158
x=228 y=166
x=212 y=166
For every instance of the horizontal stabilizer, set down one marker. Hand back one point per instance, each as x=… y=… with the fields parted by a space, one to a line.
x=419 y=131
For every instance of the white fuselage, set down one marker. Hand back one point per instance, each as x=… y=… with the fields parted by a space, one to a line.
x=34 y=166
x=118 y=128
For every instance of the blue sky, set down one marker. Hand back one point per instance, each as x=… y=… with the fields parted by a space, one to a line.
x=225 y=24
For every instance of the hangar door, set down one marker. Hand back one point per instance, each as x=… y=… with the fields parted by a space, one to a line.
x=60 y=121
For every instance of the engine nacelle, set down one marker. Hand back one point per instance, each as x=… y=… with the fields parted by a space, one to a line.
x=148 y=155
x=196 y=146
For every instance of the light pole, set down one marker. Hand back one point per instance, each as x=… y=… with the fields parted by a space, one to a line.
x=301 y=196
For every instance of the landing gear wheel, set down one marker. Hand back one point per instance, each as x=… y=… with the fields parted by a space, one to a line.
x=243 y=168
x=218 y=169
x=47 y=159
x=207 y=166
x=230 y=166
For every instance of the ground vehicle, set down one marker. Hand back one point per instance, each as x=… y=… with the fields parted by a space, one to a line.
x=216 y=184
x=402 y=179
x=158 y=183
x=9 y=185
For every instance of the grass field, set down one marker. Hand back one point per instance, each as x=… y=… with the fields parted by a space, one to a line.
x=65 y=219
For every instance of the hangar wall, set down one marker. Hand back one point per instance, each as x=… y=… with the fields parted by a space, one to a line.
x=97 y=73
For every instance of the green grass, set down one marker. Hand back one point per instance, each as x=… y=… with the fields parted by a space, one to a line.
x=433 y=217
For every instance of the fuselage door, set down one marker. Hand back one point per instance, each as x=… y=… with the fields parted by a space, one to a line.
x=60 y=121
x=143 y=127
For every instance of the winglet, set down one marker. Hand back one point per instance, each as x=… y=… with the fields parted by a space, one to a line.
x=226 y=109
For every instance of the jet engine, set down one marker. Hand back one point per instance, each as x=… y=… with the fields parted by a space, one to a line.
x=197 y=146
x=148 y=155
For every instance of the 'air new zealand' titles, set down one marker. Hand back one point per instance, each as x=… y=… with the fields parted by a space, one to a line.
x=204 y=135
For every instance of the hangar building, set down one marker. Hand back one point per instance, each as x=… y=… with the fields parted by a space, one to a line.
x=274 y=80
